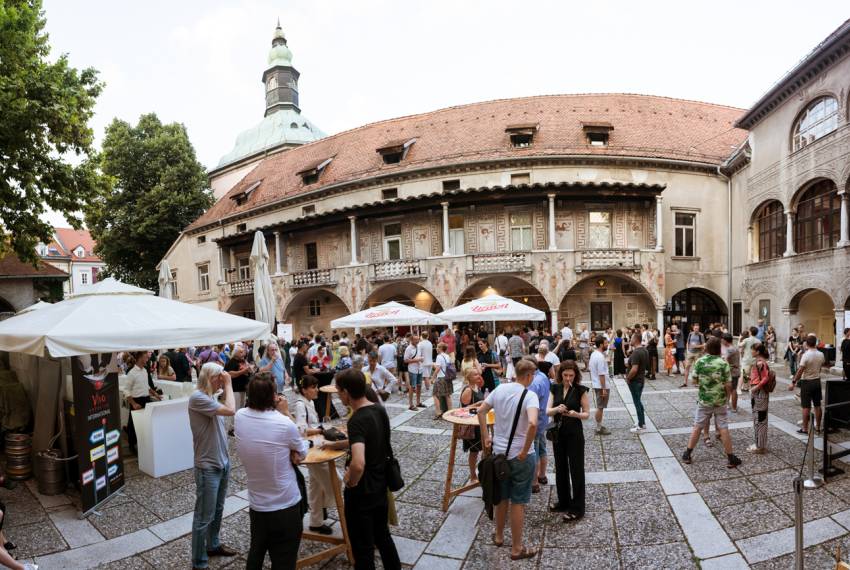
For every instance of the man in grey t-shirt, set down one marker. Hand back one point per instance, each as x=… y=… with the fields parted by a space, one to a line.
x=212 y=465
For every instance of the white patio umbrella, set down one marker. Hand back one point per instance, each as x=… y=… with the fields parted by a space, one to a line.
x=390 y=314
x=265 y=306
x=492 y=308
x=165 y=280
x=111 y=316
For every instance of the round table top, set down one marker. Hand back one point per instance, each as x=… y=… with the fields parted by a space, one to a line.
x=329 y=389
x=461 y=416
x=316 y=455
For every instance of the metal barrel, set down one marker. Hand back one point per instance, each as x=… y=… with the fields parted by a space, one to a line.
x=18 y=456
x=50 y=472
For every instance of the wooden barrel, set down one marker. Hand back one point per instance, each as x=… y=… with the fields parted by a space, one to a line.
x=50 y=472
x=18 y=456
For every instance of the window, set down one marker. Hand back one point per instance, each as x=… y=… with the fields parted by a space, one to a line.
x=392 y=241
x=521 y=136
x=396 y=151
x=243 y=266
x=241 y=228
x=389 y=193
x=311 y=174
x=597 y=133
x=271 y=84
x=84 y=277
x=42 y=250
x=456 y=236
x=684 y=227
x=600 y=230
x=597 y=139
x=204 y=277
x=312 y=255
x=771 y=231
x=449 y=185
x=173 y=282
x=818 y=222
x=242 y=197
x=202 y=240
x=520 y=231
x=315 y=307
x=818 y=120
x=521 y=178
x=308 y=210
x=80 y=252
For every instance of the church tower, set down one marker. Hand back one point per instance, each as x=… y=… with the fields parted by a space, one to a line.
x=280 y=78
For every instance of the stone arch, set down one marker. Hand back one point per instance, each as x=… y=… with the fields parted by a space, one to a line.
x=302 y=307
x=695 y=305
x=804 y=106
x=509 y=286
x=607 y=300
x=767 y=242
x=805 y=182
x=815 y=309
x=406 y=293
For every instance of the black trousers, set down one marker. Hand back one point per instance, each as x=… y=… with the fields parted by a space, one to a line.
x=847 y=370
x=569 y=471
x=279 y=534
x=131 y=429
x=366 y=517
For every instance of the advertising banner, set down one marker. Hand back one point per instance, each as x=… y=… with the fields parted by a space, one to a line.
x=284 y=331
x=97 y=423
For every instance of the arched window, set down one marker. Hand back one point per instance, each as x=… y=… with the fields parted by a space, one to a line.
x=819 y=119
x=818 y=222
x=770 y=222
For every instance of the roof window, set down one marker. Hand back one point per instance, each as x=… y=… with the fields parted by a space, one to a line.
x=597 y=133
x=521 y=135
x=395 y=151
x=242 y=197
x=311 y=174
x=389 y=193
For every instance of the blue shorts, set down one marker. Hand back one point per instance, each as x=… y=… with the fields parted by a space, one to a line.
x=517 y=487
x=415 y=379
x=540 y=444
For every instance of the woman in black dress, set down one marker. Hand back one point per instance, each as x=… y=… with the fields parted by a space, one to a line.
x=619 y=354
x=569 y=405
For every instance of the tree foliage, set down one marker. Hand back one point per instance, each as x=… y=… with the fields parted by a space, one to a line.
x=159 y=187
x=44 y=112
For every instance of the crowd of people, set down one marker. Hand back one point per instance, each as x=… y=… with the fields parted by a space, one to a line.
x=532 y=379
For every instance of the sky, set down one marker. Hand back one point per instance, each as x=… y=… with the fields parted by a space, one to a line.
x=200 y=62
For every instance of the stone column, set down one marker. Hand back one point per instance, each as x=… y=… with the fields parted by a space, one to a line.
x=277 y=253
x=659 y=224
x=552 y=241
x=220 y=263
x=659 y=320
x=839 y=334
x=446 y=249
x=789 y=233
x=554 y=320
x=353 y=220
x=751 y=254
x=845 y=223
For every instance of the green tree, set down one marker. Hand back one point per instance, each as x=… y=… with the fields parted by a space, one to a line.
x=44 y=112
x=159 y=187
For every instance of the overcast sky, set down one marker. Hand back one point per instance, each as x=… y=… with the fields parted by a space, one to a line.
x=200 y=62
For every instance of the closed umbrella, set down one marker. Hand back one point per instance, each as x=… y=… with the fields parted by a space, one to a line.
x=265 y=307
x=165 y=280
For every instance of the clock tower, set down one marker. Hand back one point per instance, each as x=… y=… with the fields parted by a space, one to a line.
x=280 y=78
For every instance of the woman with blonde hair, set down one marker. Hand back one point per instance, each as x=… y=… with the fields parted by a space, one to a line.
x=469 y=362
x=164 y=371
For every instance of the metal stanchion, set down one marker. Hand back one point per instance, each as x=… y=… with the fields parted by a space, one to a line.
x=814 y=480
x=798 y=522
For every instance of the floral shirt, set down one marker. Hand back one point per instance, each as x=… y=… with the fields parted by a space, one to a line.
x=712 y=373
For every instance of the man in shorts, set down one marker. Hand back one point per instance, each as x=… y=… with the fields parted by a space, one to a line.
x=713 y=376
x=808 y=376
x=414 y=373
x=731 y=355
x=599 y=380
x=679 y=356
x=696 y=345
x=541 y=386
x=747 y=358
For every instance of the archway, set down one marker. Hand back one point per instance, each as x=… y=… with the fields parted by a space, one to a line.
x=312 y=310
x=607 y=301
x=694 y=305
x=815 y=310
x=406 y=293
x=242 y=306
x=512 y=288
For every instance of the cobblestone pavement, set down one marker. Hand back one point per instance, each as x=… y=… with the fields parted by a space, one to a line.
x=645 y=508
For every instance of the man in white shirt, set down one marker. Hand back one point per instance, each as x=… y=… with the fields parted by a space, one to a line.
x=383 y=379
x=584 y=345
x=268 y=443
x=414 y=372
x=426 y=353
x=599 y=379
x=501 y=346
x=506 y=399
x=567 y=332
x=388 y=354
x=808 y=376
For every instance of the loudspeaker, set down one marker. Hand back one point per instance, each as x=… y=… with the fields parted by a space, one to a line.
x=838 y=399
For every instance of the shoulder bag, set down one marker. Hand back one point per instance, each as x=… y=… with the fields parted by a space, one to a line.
x=500 y=460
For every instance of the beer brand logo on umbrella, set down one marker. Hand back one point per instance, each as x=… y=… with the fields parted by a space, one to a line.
x=381 y=313
x=487 y=306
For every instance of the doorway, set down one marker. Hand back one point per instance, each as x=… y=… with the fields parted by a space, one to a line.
x=601 y=314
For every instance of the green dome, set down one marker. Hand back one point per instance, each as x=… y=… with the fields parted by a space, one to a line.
x=280 y=53
x=286 y=127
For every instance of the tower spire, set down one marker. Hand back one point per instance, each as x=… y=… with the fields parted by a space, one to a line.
x=280 y=78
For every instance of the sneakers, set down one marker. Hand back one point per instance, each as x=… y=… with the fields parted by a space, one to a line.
x=686 y=457
x=638 y=429
x=602 y=430
x=733 y=461
x=757 y=450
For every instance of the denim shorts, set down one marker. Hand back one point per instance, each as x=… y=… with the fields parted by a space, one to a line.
x=540 y=445
x=517 y=487
x=415 y=379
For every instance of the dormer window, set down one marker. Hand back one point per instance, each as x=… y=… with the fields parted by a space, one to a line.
x=242 y=197
x=597 y=133
x=521 y=135
x=311 y=174
x=80 y=252
x=395 y=151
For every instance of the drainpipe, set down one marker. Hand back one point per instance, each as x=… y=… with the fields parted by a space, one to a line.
x=729 y=244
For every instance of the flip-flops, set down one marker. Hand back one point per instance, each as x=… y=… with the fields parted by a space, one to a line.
x=524 y=553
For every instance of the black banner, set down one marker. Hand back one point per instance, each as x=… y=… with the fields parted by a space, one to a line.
x=97 y=423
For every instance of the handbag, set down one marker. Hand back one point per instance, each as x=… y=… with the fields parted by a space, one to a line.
x=303 y=504
x=501 y=464
x=333 y=434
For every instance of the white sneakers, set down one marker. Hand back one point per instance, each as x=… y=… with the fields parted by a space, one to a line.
x=638 y=429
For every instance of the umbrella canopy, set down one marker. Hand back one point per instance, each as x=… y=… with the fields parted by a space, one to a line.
x=265 y=306
x=111 y=316
x=35 y=307
x=390 y=314
x=165 y=280
x=492 y=308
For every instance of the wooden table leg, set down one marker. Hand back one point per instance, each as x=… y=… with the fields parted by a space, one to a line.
x=340 y=509
x=328 y=397
x=447 y=495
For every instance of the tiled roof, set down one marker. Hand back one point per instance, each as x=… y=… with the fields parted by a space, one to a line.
x=12 y=267
x=68 y=239
x=644 y=127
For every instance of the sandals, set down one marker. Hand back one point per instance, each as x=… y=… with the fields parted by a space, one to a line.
x=535 y=488
x=524 y=553
x=571 y=517
x=496 y=542
x=543 y=480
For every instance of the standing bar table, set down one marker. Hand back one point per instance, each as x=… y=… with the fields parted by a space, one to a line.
x=329 y=392
x=328 y=457
x=459 y=417
x=326 y=391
